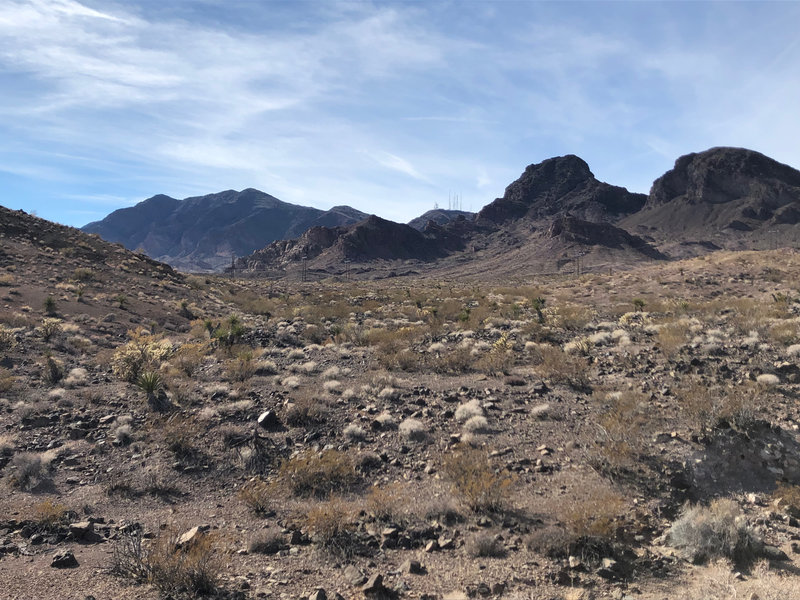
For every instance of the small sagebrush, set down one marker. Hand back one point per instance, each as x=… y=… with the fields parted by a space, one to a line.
x=716 y=531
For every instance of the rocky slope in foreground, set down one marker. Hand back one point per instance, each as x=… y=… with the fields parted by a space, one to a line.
x=203 y=233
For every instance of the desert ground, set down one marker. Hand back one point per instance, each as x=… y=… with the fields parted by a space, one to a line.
x=626 y=435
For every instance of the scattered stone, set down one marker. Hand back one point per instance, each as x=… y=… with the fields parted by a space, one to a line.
x=774 y=553
x=80 y=529
x=319 y=594
x=64 y=559
x=455 y=596
x=374 y=584
x=268 y=419
x=411 y=566
x=354 y=576
x=190 y=537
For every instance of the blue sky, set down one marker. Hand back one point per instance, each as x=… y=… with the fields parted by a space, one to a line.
x=386 y=106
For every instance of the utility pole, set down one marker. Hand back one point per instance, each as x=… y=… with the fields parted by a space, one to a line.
x=347 y=269
x=303 y=276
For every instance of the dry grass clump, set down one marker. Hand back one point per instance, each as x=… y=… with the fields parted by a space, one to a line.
x=188 y=358
x=26 y=470
x=624 y=428
x=317 y=474
x=720 y=582
x=705 y=406
x=413 y=430
x=306 y=411
x=476 y=424
x=468 y=410
x=179 y=571
x=387 y=503
x=241 y=367
x=6 y=380
x=716 y=531
x=354 y=433
x=485 y=544
x=559 y=367
x=475 y=480
x=331 y=524
x=767 y=380
x=258 y=495
x=267 y=542
x=672 y=337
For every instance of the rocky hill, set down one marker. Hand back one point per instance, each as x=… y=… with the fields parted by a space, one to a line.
x=557 y=186
x=203 y=233
x=440 y=216
x=725 y=198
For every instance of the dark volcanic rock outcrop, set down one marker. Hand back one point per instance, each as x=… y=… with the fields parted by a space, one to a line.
x=368 y=240
x=558 y=186
x=440 y=216
x=203 y=233
x=730 y=196
x=576 y=231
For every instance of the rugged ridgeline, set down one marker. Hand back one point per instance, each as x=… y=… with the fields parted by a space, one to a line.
x=203 y=233
x=556 y=210
x=722 y=198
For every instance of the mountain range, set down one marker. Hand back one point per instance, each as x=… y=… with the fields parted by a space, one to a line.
x=556 y=215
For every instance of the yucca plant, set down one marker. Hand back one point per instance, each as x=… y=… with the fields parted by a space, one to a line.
x=152 y=384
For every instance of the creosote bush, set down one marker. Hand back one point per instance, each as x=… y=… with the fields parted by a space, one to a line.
x=475 y=480
x=317 y=474
x=258 y=495
x=331 y=524
x=178 y=571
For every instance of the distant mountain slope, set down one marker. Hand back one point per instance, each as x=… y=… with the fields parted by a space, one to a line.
x=204 y=232
x=554 y=211
x=440 y=216
x=729 y=197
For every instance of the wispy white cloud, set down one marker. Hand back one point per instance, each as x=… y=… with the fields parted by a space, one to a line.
x=138 y=98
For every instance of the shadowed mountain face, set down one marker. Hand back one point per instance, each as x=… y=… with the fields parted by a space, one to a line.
x=729 y=197
x=204 y=233
x=558 y=186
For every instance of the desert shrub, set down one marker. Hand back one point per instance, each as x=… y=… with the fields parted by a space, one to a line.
x=83 y=275
x=485 y=544
x=123 y=435
x=787 y=496
x=188 y=358
x=571 y=317
x=331 y=524
x=413 y=430
x=6 y=380
x=52 y=369
x=468 y=410
x=553 y=541
x=767 y=380
x=705 y=406
x=258 y=495
x=76 y=377
x=716 y=531
x=476 y=482
x=241 y=368
x=180 y=571
x=559 y=367
x=442 y=509
x=317 y=474
x=672 y=337
x=229 y=332
x=8 y=339
x=624 y=429
x=266 y=367
x=386 y=503
x=183 y=437
x=267 y=542
x=594 y=519
x=476 y=424
x=354 y=433
x=306 y=411
x=50 y=515
x=26 y=470
x=50 y=305
x=142 y=353
x=50 y=328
